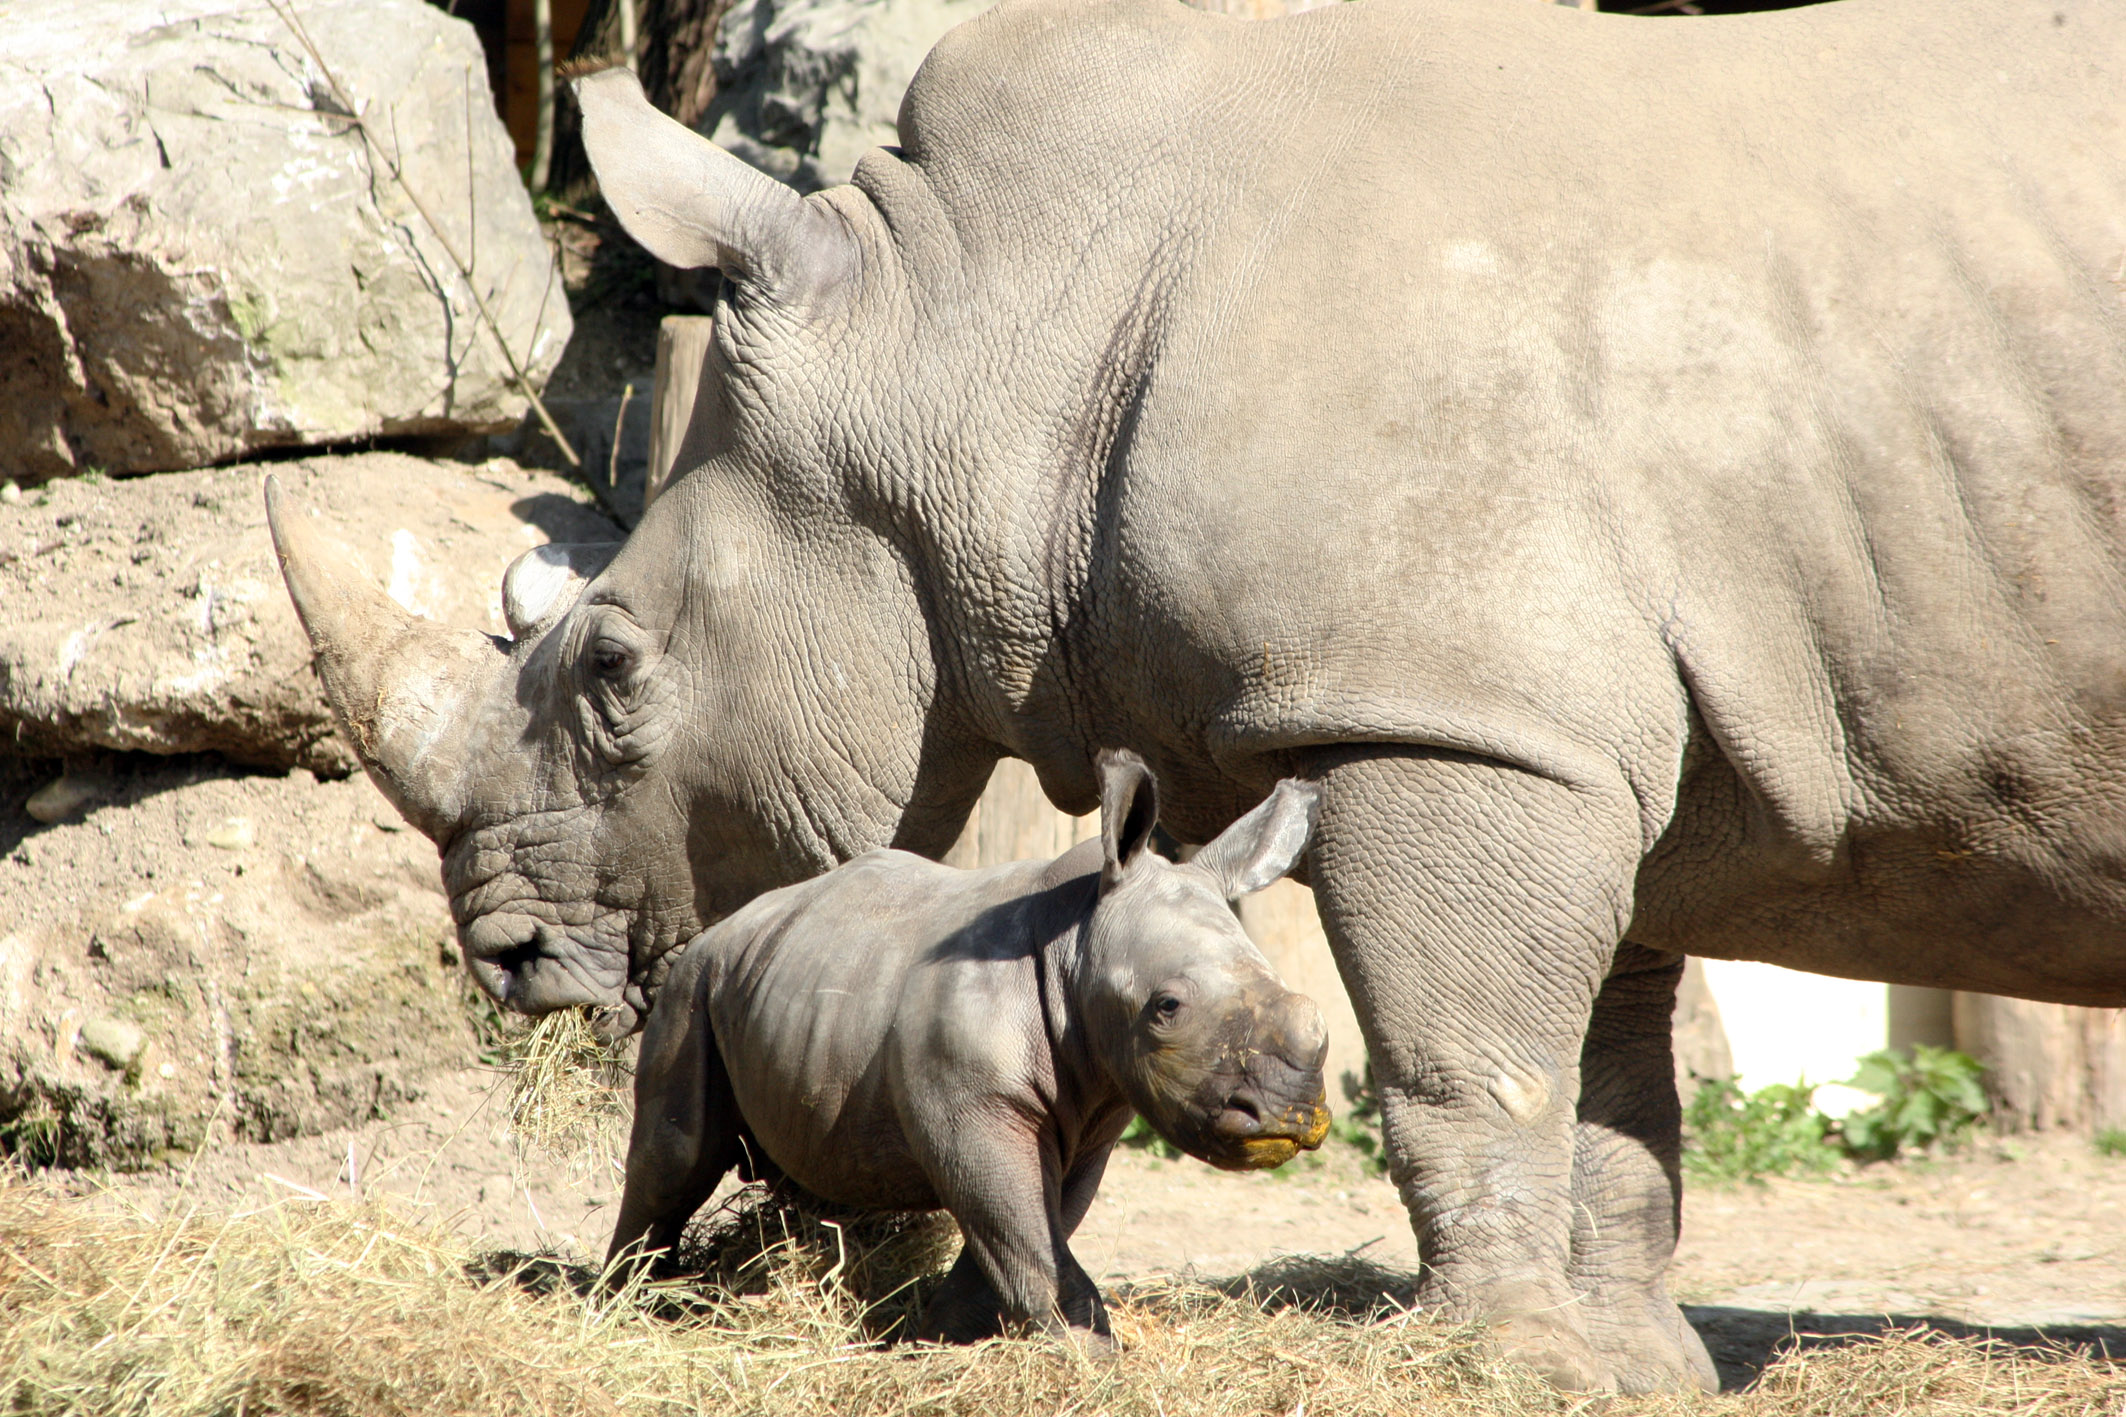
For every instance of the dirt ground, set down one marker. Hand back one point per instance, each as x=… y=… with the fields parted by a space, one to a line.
x=2022 y=1237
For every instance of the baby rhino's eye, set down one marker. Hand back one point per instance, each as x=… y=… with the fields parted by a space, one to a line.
x=1166 y=1008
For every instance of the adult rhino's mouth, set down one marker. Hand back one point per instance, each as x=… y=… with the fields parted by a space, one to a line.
x=534 y=967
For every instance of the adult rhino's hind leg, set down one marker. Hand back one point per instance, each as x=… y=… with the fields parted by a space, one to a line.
x=1474 y=909
x=1626 y=1183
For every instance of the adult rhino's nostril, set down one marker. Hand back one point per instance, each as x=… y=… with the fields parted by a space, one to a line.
x=500 y=938
x=503 y=975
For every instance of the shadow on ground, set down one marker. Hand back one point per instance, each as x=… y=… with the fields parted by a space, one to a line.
x=1744 y=1342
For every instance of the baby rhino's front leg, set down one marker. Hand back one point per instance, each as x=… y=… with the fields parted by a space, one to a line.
x=1015 y=1211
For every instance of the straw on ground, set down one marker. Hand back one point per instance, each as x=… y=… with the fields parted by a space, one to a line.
x=348 y=1309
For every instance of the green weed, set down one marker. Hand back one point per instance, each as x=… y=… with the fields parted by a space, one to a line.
x=1930 y=1097
x=1358 y=1125
x=2111 y=1141
x=1140 y=1136
x=1731 y=1135
x=32 y=1136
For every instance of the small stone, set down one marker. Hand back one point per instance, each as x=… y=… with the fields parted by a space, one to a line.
x=236 y=834
x=62 y=798
x=10 y=492
x=166 y=1071
x=112 y=1042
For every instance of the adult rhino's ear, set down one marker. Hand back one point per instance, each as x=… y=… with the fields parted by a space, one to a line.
x=1266 y=843
x=692 y=204
x=1129 y=809
x=541 y=585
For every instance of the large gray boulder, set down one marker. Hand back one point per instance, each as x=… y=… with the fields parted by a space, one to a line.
x=264 y=957
x=148 y=615
x=805 y=87
x=200 y=257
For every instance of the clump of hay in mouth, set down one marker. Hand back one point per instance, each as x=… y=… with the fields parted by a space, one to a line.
x=567 y=1092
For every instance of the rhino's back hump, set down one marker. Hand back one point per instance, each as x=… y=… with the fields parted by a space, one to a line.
x=1546 y=341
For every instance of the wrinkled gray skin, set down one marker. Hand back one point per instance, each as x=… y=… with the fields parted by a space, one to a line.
x=1664 y=481
x=900 y=1035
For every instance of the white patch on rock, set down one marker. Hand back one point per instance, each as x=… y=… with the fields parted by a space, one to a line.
x=414 y=581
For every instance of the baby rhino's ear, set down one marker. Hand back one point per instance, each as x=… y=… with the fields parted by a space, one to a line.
x=1263 y=845
x=1129 y=809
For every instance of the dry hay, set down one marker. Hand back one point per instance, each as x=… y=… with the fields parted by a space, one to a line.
x=567 y=1091
x=362 y=1310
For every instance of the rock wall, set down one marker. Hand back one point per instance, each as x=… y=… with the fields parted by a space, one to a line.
x=148 y=615
x=185 y=948
x=262 y=956
x=200 y=256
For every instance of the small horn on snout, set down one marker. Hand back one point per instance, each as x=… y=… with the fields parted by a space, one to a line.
x=691 y=204
x=540 y=586
x=400 y=685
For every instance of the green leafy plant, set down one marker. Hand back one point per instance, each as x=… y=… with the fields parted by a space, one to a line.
x=32 y=1136
x=1930 y=1097
x=2111 y=1141
x=1358 y=1125
x=1731 y=1135
x=1140 y=1135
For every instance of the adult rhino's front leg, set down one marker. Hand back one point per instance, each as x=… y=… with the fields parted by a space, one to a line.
x=1475 y=910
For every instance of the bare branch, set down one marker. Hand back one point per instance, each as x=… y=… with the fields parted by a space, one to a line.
x=286 y=10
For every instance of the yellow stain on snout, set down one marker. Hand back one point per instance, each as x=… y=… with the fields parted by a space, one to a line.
x=1317 y=1127
x=1266 y=1153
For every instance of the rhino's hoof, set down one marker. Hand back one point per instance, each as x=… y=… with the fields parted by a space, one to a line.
x=1553 y=1348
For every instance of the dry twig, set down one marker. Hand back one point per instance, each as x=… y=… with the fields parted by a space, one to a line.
x=356 y=117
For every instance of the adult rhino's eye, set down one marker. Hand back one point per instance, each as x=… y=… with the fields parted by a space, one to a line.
x=1166 y=1008
x=610 y=660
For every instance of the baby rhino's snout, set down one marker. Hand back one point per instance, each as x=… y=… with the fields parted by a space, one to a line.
x=1275 y=1107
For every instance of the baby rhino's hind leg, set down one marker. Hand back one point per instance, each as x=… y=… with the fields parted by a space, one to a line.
x=687 y=1130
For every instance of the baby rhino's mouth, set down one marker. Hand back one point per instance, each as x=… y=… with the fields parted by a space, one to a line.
x=1303 y=1130
x=1256 y=1129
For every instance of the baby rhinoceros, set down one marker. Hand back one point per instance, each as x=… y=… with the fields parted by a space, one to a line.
x=901 y=1035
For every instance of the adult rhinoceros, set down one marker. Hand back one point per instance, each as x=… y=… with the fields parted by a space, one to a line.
x=1666 y=481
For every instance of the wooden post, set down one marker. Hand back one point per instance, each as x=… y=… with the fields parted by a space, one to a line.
x=682 y=344
x=1700 y=1038
x=543 y=138
x=2048 y=1065
x=1013 y=821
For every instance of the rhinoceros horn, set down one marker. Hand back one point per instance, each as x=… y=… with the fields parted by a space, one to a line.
x=401 y=685
x=690 y=203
